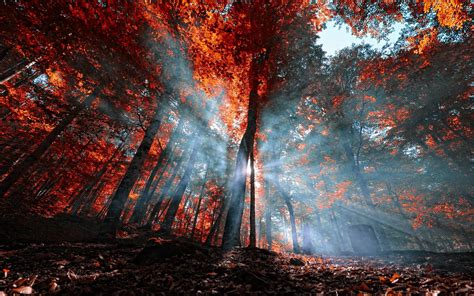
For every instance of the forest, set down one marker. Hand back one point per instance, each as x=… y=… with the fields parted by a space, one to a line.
x=213 y=147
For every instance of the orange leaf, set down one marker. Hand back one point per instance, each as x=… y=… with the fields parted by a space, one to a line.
x=395 y=278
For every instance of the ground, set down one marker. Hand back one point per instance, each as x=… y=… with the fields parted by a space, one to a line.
x=134 y=267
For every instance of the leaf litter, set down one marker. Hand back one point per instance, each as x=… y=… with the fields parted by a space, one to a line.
x=128 y=267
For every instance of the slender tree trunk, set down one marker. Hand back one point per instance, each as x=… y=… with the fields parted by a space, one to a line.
x=140 y=208
x=364 y=188
x=268 y=216
x=81 y=198
x=215 y=225
x=165 y=190
x=95 y=194
x=253 y=236
x=182 y=221
x=294 y=235
x=231 y=236
x=133 y=172
x=287 y=199
x=307 y=245
x=178 y=194
x=23 y=166
x=196 y=214
x=333 y=218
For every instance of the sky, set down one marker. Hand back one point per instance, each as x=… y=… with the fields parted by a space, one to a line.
x=335 y=38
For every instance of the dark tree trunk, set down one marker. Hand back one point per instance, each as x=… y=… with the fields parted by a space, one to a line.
x=133 y=172
x=164 y=192
x=140 y=208
x=215 y=225
x=198 y=207
x=294 y=235
x=231 y=236
x=23 y=166
x=307 y=245
x=364 y=188
x=287 y=199
x=253 y=236
x=83 y=198
x=268 y=217
x=178 y=194
x=333 y=218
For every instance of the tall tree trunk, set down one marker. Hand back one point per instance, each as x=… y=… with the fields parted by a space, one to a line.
x=183 y=224
x=133 y=172
x=140 y=208
x=164 y=192
x=23 y=166
x=333 y=218
x=198 y=208
x=178 y=194
x=307 y=244
x=287 y=199
x=253 y=236
x=231 y=237
x=268 y=216
x=294 y=235
x=215 y=225
x=76 y=204
x=364 y=188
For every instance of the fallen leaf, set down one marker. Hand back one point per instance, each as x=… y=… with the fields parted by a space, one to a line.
x=62 y=262
x=395 y=277
x=23 y=290
x=364 y=288
x=53 y=287
x=19 y=282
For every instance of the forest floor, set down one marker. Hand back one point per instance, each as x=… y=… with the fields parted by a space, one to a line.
x=175 y=267
x=37 y=259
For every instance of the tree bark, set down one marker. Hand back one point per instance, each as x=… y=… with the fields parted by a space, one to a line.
x=364 y=188
x=294 y=235
x=216 y=224
x=307 y=244
x=198 y=207
x=268 y=216
x=253 y=237
x=23 y=166
x=165 y=190
x=133 y=172
x=178 y=194
x=140 y=208
x=82 y=199
x=231 y=236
